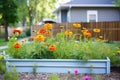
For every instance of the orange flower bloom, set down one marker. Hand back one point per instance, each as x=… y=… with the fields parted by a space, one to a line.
x=77 y=25
x=68 y=32
x=40 y=38
x=48 y=26
x=16 y=31
x=52 y=47
x=87 y=34
x=84 y=31
x=48 y=33
x=17 y=45
x=96 y=30
x=42 y=31
x=32 y=38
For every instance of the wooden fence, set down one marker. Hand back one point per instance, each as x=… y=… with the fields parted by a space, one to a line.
x=110 y=30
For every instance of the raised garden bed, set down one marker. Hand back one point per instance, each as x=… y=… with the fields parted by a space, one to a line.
x=97 y=66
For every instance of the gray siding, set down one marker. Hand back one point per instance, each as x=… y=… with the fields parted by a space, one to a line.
x=58 y=16
x=64 y=15
x=104 y=14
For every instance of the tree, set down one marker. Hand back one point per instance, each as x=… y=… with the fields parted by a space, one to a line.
x=8 y=10
x=117 y=3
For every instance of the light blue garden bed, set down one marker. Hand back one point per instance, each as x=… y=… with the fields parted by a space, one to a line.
x=97 y=66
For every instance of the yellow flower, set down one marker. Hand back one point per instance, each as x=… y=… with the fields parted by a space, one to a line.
x=100 y=37
x=96 y=30
x=105 y=41
x=68 y=32
x=48 y=26
x=61 y=27
x=76 y=25
x=84 y=31
x=118 y=52
x=40 y=38
x=1 y=56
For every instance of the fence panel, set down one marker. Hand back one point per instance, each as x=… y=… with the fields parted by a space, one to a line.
x=110 y=30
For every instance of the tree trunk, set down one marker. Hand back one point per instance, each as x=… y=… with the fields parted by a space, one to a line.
x=6 y=30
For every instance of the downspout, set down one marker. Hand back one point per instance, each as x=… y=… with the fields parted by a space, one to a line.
x=69 y=13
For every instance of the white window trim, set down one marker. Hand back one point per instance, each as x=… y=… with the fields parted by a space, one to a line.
x=92 y=12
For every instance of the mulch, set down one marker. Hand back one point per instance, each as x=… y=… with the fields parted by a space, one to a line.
x=114 y=75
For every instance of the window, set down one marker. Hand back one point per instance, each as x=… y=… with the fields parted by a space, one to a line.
x=92 y=16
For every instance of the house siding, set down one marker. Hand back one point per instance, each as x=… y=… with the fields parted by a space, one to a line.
x=64 y=15
x=104 y=14
x=58 y=17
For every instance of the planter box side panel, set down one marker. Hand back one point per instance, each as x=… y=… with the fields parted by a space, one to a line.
x=61 y=66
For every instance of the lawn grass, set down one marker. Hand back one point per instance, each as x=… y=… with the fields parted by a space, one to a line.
x=3 y=42
x=114 y=44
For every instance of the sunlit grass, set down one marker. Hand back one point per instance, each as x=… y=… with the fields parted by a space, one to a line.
x=3 y=42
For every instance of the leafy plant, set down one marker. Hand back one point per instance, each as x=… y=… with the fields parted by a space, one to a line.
x=63 y=46
x=53 y=77
x=11 y=75
x=34 y=69
x=2 y=65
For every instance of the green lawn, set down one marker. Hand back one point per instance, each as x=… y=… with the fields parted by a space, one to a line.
x=2 y=42
x=117 y=44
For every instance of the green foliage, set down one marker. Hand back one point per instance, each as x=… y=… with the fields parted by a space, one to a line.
x=8 y=9
x=3 y=42
x=53 y=77
x=34 y=69
x=11 y=75
x=97 y=78
x=2 y=65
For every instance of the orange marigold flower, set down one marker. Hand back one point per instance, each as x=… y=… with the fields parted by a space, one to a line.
x=96 y=30
x=68 y=32
x=84 y=31
x=87 y=34
x=48 y=26
x=32 y=38
x=48 y=33
x=52 y=47
x=77 y=25
x=40 y=38
x=15 y=31
x=42 y=31
x=17 y=45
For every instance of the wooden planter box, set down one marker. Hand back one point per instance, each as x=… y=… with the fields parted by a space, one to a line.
x=97 y=66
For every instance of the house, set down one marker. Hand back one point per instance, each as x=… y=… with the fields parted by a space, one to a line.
x=88 y=11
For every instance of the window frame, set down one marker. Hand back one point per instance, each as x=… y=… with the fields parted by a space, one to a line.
x=93 y=12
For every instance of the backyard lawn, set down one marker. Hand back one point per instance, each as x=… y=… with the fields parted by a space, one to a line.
x=2 y=42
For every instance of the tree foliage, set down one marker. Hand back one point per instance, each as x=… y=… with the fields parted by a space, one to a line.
x=12 y=11
x=8 y=10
